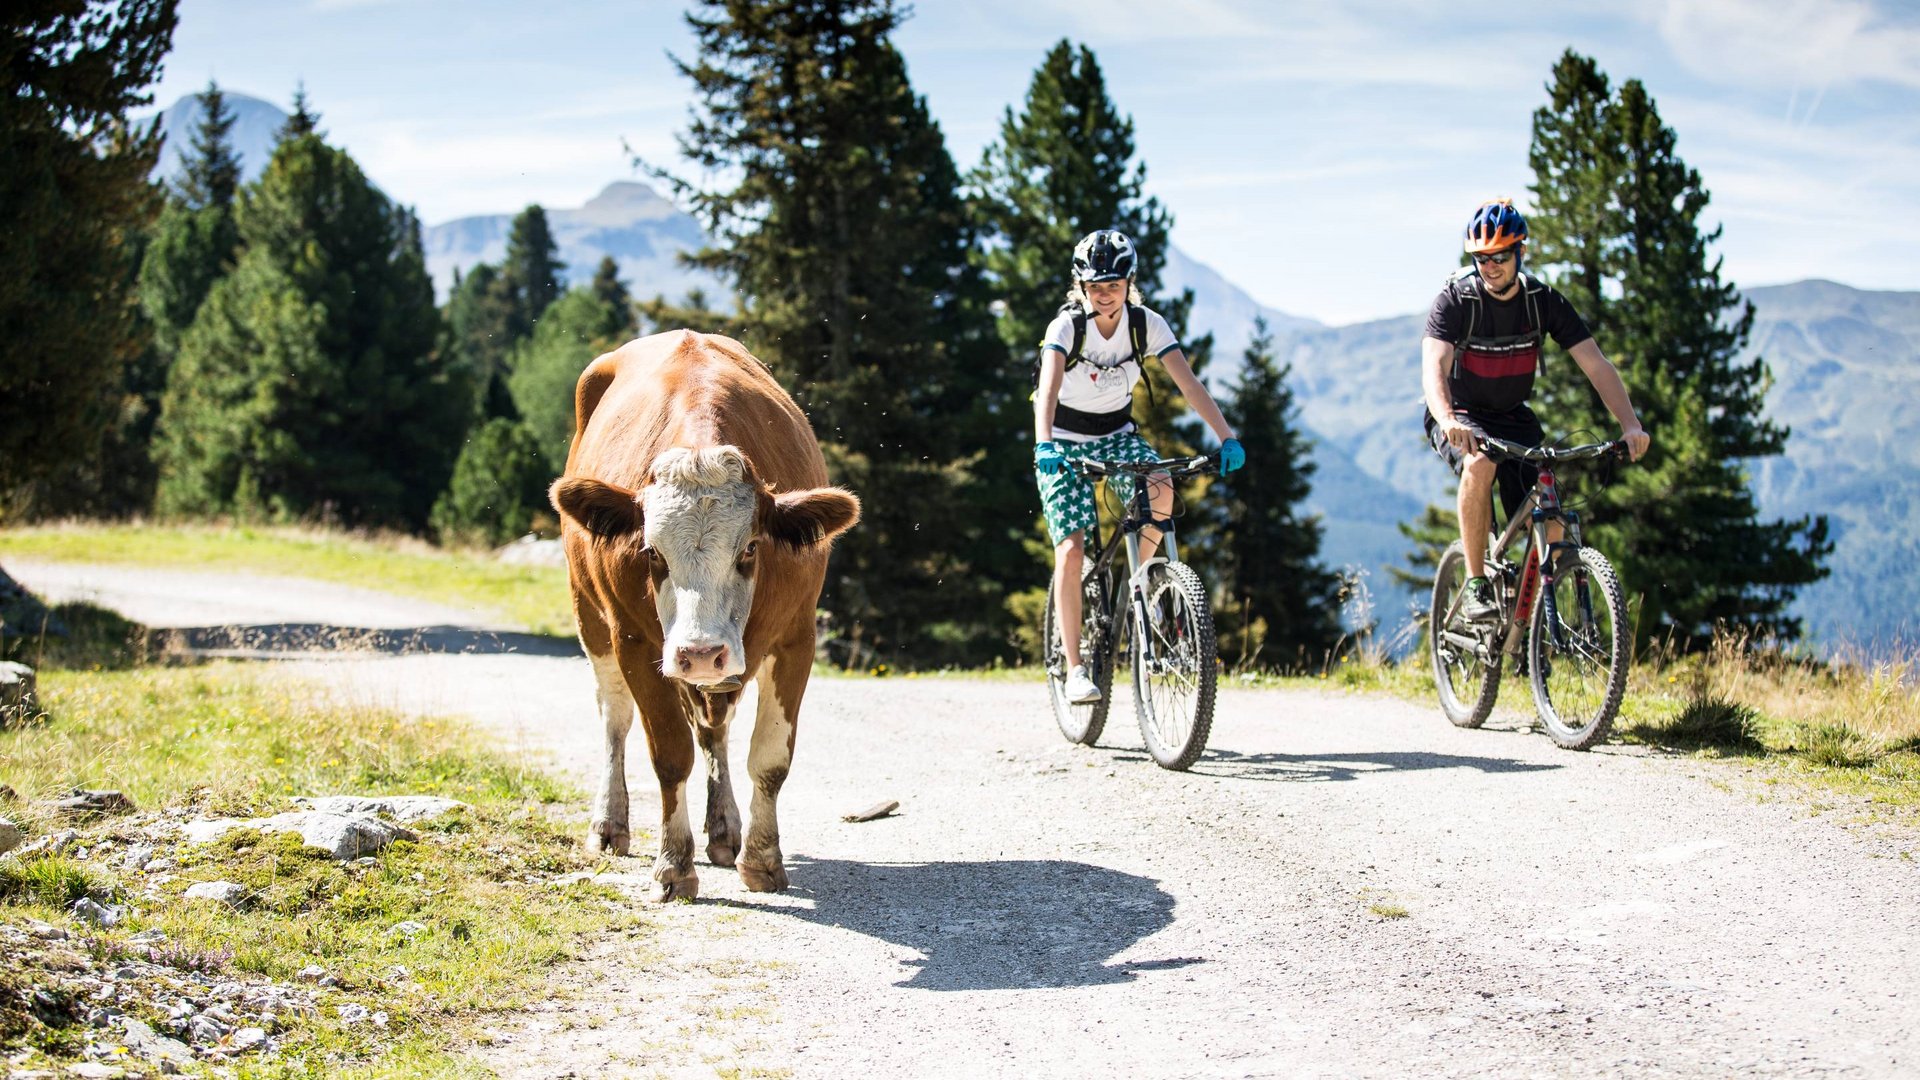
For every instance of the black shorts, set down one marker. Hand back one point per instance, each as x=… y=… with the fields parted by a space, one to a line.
x=1516 y=425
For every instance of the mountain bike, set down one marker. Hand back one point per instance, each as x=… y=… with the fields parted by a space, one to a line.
x=1161 y=619
x=1560 y=614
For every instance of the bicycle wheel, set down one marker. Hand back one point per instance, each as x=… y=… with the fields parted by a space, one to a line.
x=1468 y=684
x=1081 y=723
x=1173 y=691
x=1577 y=651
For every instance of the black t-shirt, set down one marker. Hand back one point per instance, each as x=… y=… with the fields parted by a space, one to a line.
x=1495 y=369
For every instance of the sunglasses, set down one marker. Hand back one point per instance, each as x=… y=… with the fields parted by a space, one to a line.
x=1497 y=258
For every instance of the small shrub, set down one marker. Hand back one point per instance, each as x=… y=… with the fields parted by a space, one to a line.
x=55 y=881
x=1835 y=746
x=1711 y=722
x=499 y=483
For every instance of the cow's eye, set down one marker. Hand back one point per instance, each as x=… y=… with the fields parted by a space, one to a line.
x=752 y=546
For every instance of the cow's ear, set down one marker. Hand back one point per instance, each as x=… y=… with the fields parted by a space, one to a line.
x=605 y=510
x=799 y=519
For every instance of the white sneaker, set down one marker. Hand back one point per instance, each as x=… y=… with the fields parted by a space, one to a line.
x=1079 y=688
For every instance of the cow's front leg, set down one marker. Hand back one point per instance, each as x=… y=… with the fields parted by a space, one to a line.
x=667 y=715
x=723 y=814
x=782 y=683
x=608 y=831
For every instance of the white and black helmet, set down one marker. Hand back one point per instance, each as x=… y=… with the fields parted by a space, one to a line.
x=1105 y=255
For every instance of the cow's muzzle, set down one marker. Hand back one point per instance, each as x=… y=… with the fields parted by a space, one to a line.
x=724 y=686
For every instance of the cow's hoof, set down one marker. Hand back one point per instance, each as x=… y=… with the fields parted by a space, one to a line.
x=721 y=852
x=683 y=887
x=763 y=876
x=603 y=837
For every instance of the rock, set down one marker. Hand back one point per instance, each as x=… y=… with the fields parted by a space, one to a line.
x=354 y=1014
x=86 y=910
x=247 y=1038
x=207 y=831
x=45 y=931
x=84 y=803
x=138 y=856
x=344 y=836
x=408 y=928
x=93 y=1070
x=148 y=937
x=11 y=835
x=311 y=973
x=19 y=702
x=144 y=1042
x=530 y=550
x=206 y=1031
x=225 y=892
x=159 y=866
x=57 y=844
x=407 y=808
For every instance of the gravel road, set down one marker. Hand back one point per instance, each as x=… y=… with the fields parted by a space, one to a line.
x=1038 y=909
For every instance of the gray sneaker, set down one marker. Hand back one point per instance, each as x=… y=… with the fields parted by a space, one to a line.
x=1079 y=687
x=1478 y=605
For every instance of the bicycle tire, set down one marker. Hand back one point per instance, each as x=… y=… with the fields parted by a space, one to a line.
x=1174 y=703
x=1081 y=723
x=1467 y=686
x=1578 y=707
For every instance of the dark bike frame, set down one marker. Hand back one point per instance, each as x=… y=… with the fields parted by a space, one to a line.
x=1139 y=516
x=1536 y=511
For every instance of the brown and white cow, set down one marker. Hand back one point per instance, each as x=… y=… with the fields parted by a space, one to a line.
x=696 y=523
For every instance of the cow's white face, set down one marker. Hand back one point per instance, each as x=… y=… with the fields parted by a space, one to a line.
x=700 y=514
x=701 y=521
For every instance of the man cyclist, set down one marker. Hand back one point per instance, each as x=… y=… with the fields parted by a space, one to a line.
x=1083 y=407
x=1482 y=350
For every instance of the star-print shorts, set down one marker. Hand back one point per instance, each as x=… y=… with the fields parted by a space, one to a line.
x=1068 y=500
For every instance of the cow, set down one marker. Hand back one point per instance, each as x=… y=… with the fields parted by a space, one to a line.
x=696 y=519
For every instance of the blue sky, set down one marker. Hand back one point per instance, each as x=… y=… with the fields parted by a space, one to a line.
x=1321 y=156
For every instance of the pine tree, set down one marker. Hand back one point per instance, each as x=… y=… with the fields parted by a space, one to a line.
x=532 y=277
x=1618 y=226
x=844 y=235
x=310 y=385
x=621 y=324
x=478 y=339
x=303 y=120
x=211 y=172
x=1282 y=606
x=74 y=197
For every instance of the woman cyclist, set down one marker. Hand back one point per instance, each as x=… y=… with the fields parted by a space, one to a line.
x=1084 y=406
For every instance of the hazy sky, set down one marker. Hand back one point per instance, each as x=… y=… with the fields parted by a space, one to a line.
x=1322 y=156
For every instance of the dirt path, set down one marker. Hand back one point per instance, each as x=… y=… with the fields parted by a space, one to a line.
x=1038 y=909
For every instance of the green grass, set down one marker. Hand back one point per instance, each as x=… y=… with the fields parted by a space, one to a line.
x=231 y=740
x=533 y=597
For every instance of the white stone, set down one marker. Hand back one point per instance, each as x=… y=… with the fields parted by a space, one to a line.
x=407 y=808
x=10 y=835
x=224 y=892
x=18 y=701
x=152 y=1046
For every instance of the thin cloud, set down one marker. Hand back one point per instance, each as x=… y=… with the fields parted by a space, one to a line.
x=1810 y=43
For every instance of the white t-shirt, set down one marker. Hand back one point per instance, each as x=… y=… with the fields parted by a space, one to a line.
x=1103 y=381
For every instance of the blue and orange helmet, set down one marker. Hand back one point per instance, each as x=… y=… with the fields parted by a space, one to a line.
x=1496 y=226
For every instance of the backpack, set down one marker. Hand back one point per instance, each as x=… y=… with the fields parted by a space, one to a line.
x=1530 y=287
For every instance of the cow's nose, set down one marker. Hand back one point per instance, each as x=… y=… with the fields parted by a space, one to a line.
x=700 y=659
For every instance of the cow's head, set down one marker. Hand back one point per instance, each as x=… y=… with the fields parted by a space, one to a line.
x=702 y=519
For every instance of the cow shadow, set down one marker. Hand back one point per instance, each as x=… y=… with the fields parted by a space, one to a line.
x=265 y=641
x=1331 y=768
x=1017 y=924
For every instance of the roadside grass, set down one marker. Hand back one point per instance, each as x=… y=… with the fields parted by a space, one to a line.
x=226 y=739
x=533 y=597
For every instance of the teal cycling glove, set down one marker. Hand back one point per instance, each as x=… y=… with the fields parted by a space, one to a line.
x=1048 y=459
x=1232 y=455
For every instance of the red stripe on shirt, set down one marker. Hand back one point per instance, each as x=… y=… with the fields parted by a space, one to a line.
x=1500 y=367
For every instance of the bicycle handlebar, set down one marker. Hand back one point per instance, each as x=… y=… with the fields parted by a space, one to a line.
x=1088 y=468
x=1548 y=454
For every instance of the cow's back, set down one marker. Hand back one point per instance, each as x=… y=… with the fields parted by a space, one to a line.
x=686 y=389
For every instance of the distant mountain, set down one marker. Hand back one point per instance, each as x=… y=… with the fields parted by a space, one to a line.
x=1222 y=307
x=643 y=232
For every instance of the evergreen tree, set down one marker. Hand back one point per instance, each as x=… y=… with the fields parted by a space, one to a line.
x=310 y=384
x=478 y=338
x=303 y=120
x=211 y=170
x=1282 y=606
x=622 y=324
x=844 y=235
x=532 y=276
x=74 y=198
x=1618 y=226
x=499 y=486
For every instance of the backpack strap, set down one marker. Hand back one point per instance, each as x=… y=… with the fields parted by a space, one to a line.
x=1079 y=316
